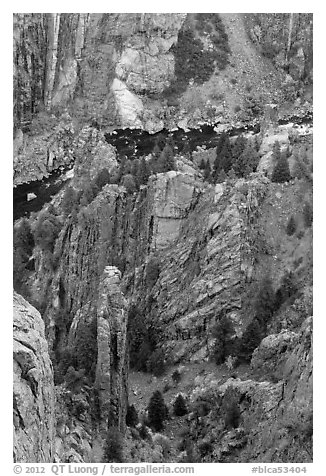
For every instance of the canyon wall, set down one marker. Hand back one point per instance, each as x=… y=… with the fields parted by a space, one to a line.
x=33 y=392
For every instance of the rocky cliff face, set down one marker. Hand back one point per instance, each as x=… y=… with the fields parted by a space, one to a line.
x=116 y=69
x=33 y=391
x=112 y=356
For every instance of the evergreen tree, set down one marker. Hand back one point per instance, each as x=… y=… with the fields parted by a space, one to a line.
x=23 y=238
x=46 y=230
x=157 y=411
x=166 y=160
x=222 y=177
x=129 y=183
x=281 y=172
x=223 y=155
x=222 y=332
x=186 y=150
x=251 y=338
x=291 y=226
x=89 y=193
x=131 y=416
x=202 y=164
x=238 y=147
x=276 y=151
x=143 y=172
x=102 y=178
x=113 y=451
x=179 y=406
x=69 y=200
x=307 y=214
x=207 y=171
x=231 y=174
x=265 y=300
x=156 y=152
x=247 y=161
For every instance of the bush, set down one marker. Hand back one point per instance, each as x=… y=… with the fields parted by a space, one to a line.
x=113 y=451
x=157 y=411
x=179 y=406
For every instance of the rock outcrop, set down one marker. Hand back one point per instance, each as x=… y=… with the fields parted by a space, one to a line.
x=33 y=391
x=112 y=356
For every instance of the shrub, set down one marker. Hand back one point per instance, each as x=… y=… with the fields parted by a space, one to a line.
x=157 y=411
x=179 y=406
x=131 y=416
x=291 y=226
x=113 y=450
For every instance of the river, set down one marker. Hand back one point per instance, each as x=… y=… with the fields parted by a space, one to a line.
x=133 y=143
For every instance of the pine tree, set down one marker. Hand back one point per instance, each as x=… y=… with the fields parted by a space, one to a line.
x=251 y=338
x=222 y=177
x=232 y=174
x=69 y=200
x=281 y=172
x=143 y=172
x=129 y=183
x=238 y=147
x=113 y=451
x=207 y=171
x=291 y=226
x=179 y=406
x=265 y=300
x=102 y=178
x=202 y=164
x=166 y=160
x=131 y=416
x=308 y=214
x=157 y=411
x=222 y=332
x=247 y=161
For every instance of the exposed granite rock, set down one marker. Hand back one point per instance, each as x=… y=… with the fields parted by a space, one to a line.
x=275 y=418
x=33 y=391
x=112 y=357
x=268 y=358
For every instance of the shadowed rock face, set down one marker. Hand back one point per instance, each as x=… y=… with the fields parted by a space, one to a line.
x=33 y=387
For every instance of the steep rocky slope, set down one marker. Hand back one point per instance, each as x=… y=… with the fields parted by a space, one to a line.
x=33 y=393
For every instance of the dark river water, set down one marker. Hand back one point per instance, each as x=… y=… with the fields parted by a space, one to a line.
x=131 y=143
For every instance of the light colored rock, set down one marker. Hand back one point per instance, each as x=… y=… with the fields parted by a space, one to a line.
x=130 y=106
x=112 y=357
x=33 y=391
